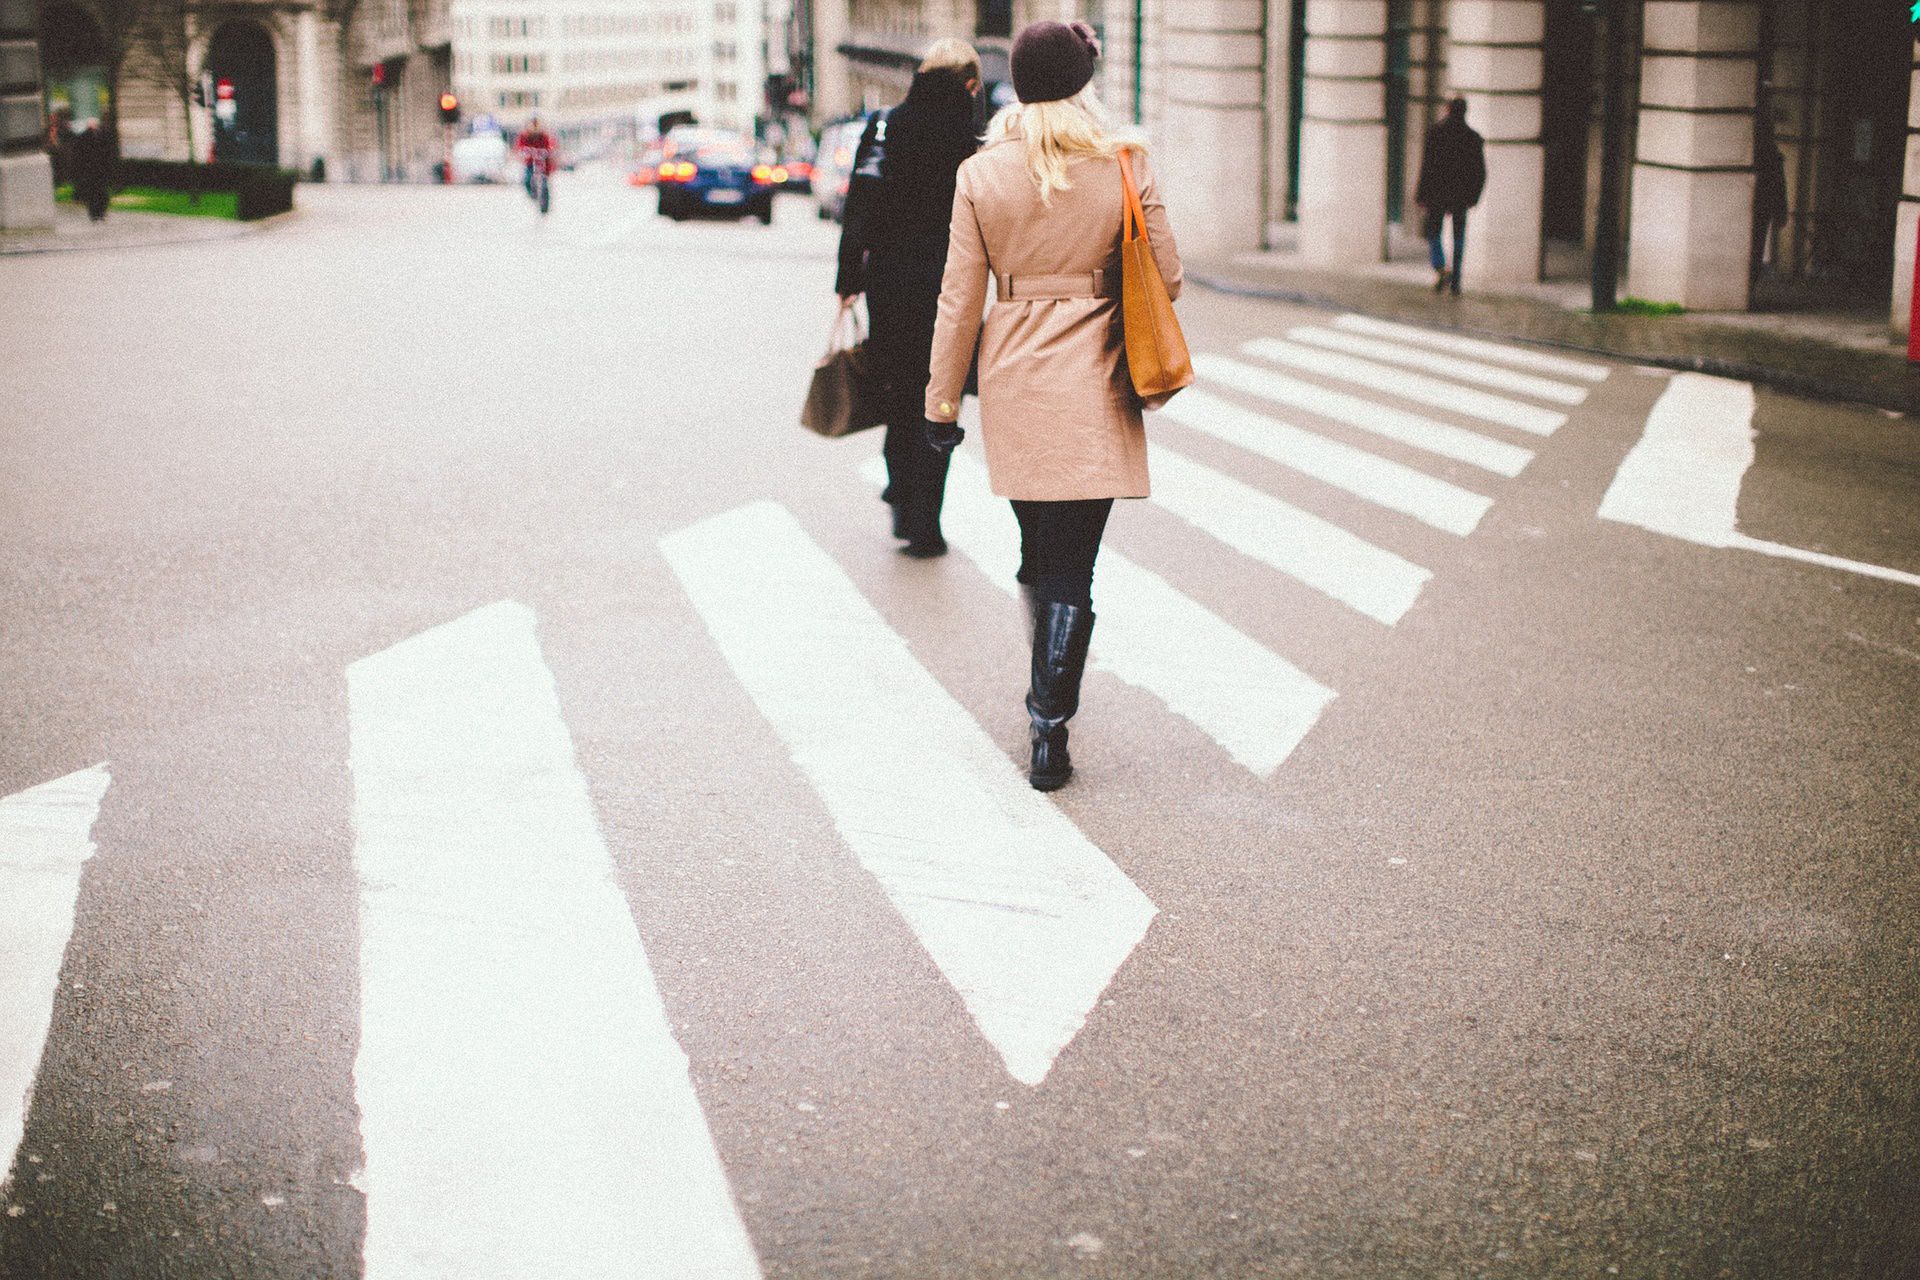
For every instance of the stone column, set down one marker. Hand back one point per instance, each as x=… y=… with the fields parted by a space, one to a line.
x=1343 y=133
x=1495 y=62
x=1213 y=132
x=316 y=114
x=1693 y=171
x=26 y=175
x=832 y=83
x=1909 y=219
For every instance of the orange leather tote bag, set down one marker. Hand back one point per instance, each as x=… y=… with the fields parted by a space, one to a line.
x=1157 y=355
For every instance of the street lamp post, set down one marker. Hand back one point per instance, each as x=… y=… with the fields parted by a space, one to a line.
x=1613 y=128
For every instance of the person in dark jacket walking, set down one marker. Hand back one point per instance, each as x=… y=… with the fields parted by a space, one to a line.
x=894 y=250
x=1453 y=173
x=90 y=163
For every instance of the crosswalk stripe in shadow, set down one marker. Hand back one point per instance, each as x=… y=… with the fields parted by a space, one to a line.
x=1025 y=917
x=46 y=837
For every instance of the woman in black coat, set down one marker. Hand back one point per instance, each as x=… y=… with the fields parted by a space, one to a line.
x=894 y=249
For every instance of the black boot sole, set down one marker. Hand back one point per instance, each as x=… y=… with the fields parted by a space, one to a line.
x=1049 y=782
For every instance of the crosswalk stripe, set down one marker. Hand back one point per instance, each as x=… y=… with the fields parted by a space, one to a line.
x=1444 y=439
x=1521 y=357
x=1250 y=700
x=45 y=839
x=1386 y=483
x=1021 y=912
x=1452 y=366
x=1417 y=387
x=1324 y=556
x=524 y=1106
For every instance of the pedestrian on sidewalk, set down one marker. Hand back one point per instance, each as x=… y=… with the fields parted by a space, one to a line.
x=90 y=162
x=893 y=248
x=1038 y=213
x=1453 y=173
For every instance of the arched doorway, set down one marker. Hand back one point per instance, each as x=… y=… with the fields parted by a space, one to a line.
x=74 y=61
x=246 y=116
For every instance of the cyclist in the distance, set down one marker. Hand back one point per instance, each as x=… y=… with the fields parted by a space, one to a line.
x=536 y=147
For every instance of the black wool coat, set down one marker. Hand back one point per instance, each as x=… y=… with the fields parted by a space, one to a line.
x=899 y=209
x=1453 y=168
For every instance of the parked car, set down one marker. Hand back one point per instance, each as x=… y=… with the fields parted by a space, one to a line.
x=485 y=157
x=720 y=176
x=833 y=165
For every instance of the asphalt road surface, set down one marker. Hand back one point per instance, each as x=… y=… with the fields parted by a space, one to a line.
x=484 y=797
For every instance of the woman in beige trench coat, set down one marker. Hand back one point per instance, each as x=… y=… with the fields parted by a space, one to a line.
x=1037 y=215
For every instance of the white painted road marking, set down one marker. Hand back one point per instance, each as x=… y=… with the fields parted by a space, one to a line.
x=1451 y=366
x=1389 y=484
x=1683 y=477
x=525 y=1108
x=1418 y=387
x=1250 y=700
x=1523 y=357
x=46 y=837
x=1442 y=438
x=1324 y=556
x=1023 y=914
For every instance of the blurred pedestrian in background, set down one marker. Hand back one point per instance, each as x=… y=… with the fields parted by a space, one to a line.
x=1038 y=213
x=90 y=165
x=894 y=249
x=1453 y=173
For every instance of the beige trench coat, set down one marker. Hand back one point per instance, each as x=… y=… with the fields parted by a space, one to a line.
x=1058 y=415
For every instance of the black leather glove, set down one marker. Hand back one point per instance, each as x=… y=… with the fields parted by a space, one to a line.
x=945 y=437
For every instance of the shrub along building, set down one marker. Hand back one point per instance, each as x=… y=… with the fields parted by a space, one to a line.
x=347 y=88
x=1299 y=122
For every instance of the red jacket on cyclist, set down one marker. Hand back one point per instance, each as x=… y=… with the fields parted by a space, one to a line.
x=536 y=145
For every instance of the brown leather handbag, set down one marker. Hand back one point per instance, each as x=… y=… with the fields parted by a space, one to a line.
x=1157 y=355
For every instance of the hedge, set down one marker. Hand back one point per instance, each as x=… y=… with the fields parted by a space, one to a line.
x=260 y=190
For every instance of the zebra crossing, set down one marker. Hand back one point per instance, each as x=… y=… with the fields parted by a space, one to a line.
x=525 y=1105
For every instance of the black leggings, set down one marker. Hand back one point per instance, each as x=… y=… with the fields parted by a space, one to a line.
x=1058 y=543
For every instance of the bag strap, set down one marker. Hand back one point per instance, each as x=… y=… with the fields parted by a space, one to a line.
x=845 y=319
x=1133 y=214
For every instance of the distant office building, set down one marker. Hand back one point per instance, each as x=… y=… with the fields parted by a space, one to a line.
x=592 y=65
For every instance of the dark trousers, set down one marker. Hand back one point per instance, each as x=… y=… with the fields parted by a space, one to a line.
x=916 y=478
x=1058 y=543
x=1434 y=252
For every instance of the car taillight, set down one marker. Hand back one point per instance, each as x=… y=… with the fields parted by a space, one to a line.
x=677 y=171
x=781 y=173
x=763 y=174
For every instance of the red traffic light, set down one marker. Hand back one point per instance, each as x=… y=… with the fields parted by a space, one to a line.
x=449 y=109
x=223 y=90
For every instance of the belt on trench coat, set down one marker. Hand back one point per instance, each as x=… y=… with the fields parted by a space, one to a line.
x=1080 y=284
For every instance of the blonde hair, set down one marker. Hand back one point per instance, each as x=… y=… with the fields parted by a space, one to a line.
x=952 y=55
x=1058 y=133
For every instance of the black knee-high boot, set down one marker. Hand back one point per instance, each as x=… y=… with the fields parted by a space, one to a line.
x=1060 y=635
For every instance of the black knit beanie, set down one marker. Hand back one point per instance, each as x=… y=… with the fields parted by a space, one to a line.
x=1053 y=60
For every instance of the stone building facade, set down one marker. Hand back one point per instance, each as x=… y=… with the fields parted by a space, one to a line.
x=340 y=88
x=1300 y=122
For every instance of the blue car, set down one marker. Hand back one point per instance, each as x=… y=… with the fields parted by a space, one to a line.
x=704 y=172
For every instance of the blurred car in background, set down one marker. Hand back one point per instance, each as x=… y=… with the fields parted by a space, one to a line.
x=710 y=172
x=833 y=165
x=485 y=157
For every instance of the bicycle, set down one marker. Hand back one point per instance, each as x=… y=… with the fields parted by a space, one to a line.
x=539 y=182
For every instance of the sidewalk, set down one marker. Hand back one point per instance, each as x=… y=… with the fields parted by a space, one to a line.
x=123 y=229
x=1827 y=355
